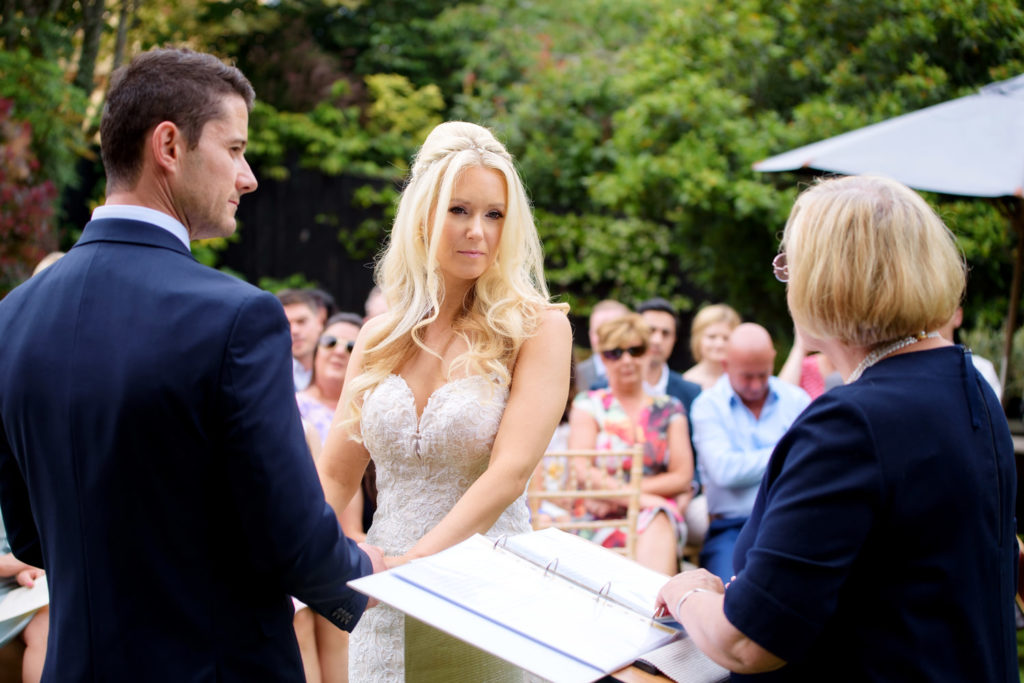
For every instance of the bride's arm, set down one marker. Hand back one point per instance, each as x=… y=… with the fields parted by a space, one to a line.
x=342 y=460
x=540 y=382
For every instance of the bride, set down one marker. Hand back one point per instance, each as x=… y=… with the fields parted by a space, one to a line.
x=455 y=391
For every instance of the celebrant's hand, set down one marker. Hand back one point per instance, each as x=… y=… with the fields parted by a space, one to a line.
x=682 y=586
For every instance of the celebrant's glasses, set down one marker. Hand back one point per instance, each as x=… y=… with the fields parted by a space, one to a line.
x=329 y=341
x=615 y=354
x=780 y=267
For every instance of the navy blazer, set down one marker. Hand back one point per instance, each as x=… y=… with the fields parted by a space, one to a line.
x=152 y=460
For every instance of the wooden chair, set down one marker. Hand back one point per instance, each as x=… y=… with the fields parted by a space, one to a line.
x=558 y=480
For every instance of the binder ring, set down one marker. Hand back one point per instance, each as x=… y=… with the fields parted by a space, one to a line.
x=499 y=542
x=604 y=592
x=552 y=566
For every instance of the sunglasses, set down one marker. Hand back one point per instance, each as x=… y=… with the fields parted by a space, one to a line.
x=615 y=354
x=329 y=341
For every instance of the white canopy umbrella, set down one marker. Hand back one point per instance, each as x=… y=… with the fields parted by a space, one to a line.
x=971 y=146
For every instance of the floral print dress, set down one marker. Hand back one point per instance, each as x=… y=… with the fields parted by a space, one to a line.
x=616 y=432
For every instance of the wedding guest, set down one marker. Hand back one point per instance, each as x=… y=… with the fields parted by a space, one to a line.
x=326 y=307
x=331 y=355
x=375 y=303
x=812 y=372
x=881 y=545
x=591 y=373
x=47 y=261
x=455 y=391
x=736 y=424
x=306 y=322
x=624 y=414
x=32 y=627
x=324 y=648
x=983 y=365
x=709 y=334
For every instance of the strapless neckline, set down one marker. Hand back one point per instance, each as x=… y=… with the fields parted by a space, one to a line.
x=436 y=393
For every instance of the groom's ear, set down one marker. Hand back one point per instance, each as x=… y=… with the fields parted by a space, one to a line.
x=166 y=145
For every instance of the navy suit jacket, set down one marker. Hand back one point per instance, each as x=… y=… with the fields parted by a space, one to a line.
x=152 y=460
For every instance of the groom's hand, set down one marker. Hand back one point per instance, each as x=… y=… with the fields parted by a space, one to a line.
x=376 y=556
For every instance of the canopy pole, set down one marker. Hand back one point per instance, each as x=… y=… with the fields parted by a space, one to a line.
x=1016 y=212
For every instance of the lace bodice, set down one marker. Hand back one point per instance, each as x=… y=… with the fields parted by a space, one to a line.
x=423 y=468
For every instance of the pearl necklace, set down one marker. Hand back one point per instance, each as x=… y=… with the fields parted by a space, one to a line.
x=879 y=354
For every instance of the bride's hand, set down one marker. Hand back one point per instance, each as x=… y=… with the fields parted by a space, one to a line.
x=393 y=561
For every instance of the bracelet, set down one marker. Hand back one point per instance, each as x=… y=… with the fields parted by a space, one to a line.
x=687 y=594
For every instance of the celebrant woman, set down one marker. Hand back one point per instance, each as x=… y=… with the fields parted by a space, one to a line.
x=881 y=545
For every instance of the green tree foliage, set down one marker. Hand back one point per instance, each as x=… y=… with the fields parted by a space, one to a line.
x=634 y=122
x=654 y=111
x=36 y=89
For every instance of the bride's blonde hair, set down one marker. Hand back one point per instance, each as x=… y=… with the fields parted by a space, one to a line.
x=504 y=306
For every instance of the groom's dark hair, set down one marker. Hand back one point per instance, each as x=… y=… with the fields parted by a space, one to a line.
x=178 y=85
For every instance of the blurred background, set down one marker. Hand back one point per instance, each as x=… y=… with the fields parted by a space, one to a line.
x=635 y=124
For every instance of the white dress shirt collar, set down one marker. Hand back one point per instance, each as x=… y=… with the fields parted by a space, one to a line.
x=146 y=215
x=659 y=388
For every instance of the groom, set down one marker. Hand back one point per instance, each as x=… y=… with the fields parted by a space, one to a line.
x=151 y=454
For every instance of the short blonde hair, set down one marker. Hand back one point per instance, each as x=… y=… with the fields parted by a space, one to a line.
x=614 y=333
x=869 y=262
x=711 y=314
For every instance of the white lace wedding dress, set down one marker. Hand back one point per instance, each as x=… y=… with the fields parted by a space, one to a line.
x=421 y=473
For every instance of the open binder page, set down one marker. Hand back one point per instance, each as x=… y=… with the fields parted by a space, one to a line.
x=497 y=586
x=22 y=600
x=597 y=568
x=488 y=636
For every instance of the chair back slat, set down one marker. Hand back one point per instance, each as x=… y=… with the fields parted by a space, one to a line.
x=567 y=478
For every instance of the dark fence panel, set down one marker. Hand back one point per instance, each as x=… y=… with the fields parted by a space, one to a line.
x=293 y=226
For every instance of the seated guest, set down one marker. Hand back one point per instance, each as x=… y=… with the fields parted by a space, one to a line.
x=325 y=305
x=661 y=318
x=47 y=261
x=324 y=648
x=982 y=365
x=302 y=308
x=881 y=546
x=622 y=415
x=33 y=627
x=319 y=400
x=812 y=372
x=709 y=334
x=736 y=424
x=590 y=373
x=375 y=303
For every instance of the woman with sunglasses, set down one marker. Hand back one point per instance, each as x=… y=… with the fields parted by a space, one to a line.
x=881 y=545
x=623 y=415
x=319 y=400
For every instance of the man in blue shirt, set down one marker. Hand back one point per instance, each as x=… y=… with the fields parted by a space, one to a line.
x=736 y=424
